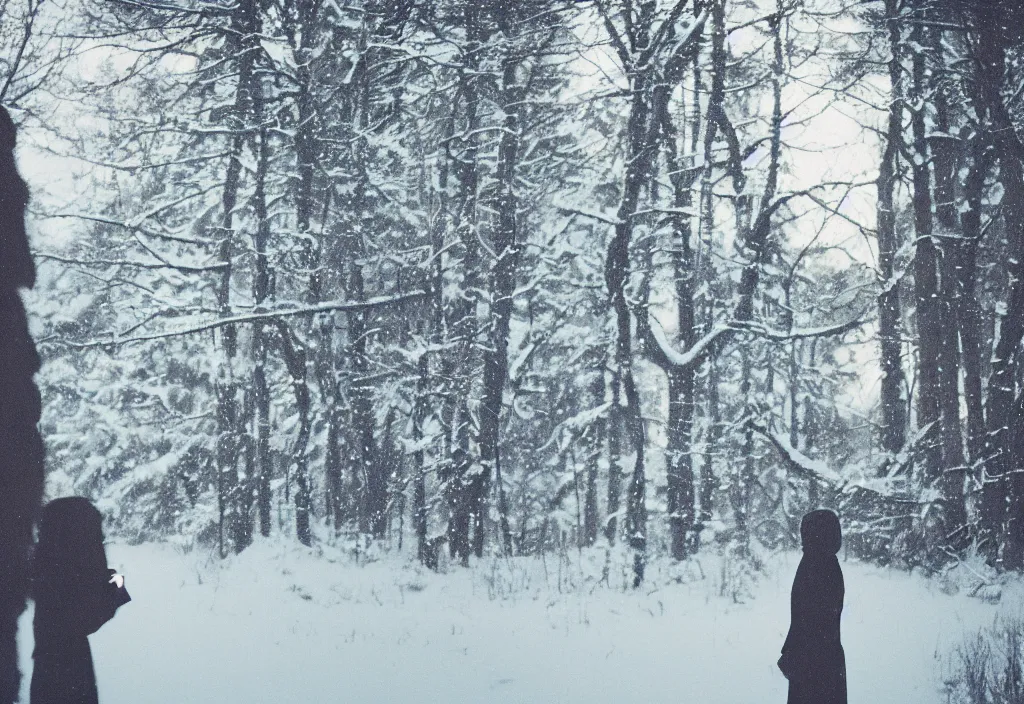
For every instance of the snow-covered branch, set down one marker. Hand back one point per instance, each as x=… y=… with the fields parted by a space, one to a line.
x=778 y=335
x=810 y=468
x=691 y=356
x=668 y=355
x=327 y=307
x=134 y=227
x=608 y=219
x=796 y=460
x=127 y=262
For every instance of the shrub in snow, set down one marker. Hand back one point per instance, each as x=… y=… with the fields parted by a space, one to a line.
x=742 y=565
x=987 y=667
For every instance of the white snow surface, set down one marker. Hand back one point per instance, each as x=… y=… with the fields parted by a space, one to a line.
x=278 y=624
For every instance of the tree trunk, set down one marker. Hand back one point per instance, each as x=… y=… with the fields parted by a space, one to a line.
x=929 y=314
x=373 y=496
x=614 y=435
x=261 y=292
x=969 y=309
x=894 y=408
x=708 y=480
x=372 y=475
x=419 y=494
x=639 y=154
x=310 y=257
x=297 y=360
x=944 y=148
x=244 y=21
x=743 y=484
x=591 y=515
x=1001 y=501
x=679 y=458
x=465 y=487
x=682 y=381
x=506 y=248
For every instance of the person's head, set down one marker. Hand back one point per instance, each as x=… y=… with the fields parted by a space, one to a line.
x=71 y=533
x=820 y=532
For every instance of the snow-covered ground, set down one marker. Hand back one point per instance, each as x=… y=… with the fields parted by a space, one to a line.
x=278 y=624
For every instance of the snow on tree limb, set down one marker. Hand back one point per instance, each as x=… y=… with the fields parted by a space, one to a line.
x=798 y=333
x=703 y=346
x=881 y=486
x=796 y=460
x=607 y=219
x=127 y=262
x=691 y=356
x=326 y=307
x=134 y=227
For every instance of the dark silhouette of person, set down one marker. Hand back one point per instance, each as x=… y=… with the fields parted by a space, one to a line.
x=812 y=657
x=75 y=593
x=21 y=446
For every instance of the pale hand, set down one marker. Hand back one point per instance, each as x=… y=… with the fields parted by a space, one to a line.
x=118 y=579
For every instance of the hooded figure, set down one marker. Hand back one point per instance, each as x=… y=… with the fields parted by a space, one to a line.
x=75 y=594
x=812 y=656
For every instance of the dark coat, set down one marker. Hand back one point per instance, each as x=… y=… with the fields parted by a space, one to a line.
x=812 y=656
x=74 y=596
x=70 y=605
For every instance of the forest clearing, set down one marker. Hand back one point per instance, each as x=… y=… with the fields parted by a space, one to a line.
x=282 y=623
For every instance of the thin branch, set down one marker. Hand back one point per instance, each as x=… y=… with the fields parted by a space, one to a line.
x=769 y=333
x=272 y=315
x=126 y=262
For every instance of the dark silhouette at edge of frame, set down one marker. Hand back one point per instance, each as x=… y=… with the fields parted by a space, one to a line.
x=21 y=446
x=75 y=593
x=812 y=657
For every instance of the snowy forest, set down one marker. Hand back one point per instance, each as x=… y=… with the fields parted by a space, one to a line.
x=469 y=281
x=494 y=277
